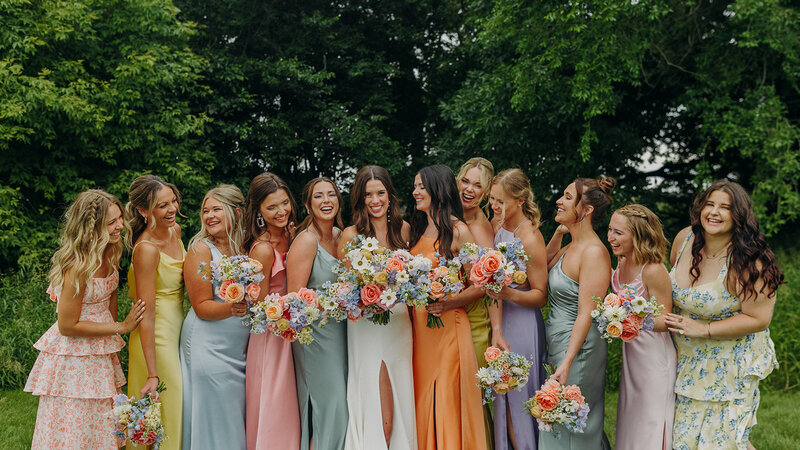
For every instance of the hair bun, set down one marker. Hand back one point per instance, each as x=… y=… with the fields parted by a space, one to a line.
x=606 y=184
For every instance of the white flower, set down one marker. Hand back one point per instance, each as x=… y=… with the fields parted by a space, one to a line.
x=388 y=298
x=361 y=264
x=370 y=243
x=616 y=313
x=402 y=277
x=353 y=255
x=638 y=304
x=595 y=313
x=517 y=370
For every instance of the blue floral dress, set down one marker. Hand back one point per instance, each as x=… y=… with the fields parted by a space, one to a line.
x=717 y=382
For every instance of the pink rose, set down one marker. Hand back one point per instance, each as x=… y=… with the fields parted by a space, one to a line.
x=252 y=291
x=307 y=295
x=629 y=331
x=573 y=392
x=614 y=329
x=492 y=353
x=551 y=385
x=370 y=294
x=635 y=320
x=234 y=293
x=224 y=287
x=491 y=262
x=612 y=300
x=477 y=276
x=394 y=264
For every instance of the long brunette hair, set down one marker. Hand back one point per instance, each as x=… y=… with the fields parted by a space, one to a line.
x=361 y=217
x=749 y=255
x=597 y=193
x=143 y=194
x=440 y=184
x=308 y=190
x=260 y=188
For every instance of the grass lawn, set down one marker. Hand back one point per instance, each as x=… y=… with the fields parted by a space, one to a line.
x=777 y=419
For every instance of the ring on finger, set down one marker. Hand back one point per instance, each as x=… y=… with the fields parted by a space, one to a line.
x=681 y=332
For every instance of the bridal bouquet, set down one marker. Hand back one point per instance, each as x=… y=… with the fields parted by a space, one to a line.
x=139 y=420
x=624 y=314
x=493 y=269
x=554 y=403
x=445 y=281
x=505 y=371
x=235 y=278
x=289 y=316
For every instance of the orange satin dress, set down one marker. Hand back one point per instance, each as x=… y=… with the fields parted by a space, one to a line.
x=448 y=401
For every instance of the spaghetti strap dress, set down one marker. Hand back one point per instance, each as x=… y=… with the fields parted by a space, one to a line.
x=273 y=417
x=76 y=378
x=588 y=370
x=448 y=402
x=717 y=381
x=321 y=371
x=213 y=356
x=167 y=332
x=646 y=390
x=523 y=328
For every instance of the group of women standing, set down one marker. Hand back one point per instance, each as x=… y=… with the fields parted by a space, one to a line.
x=404 y=385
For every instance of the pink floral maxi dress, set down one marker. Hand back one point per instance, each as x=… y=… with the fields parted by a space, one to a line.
x=76 y=377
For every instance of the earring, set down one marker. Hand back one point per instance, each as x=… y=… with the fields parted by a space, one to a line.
x=389 y=213
x=260 y=221
x=145 y=220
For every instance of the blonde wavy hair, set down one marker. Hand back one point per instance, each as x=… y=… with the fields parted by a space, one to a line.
x=649 y=242
x=517 y=186
x=84 y=243
x=232 y=199
x=487 y=172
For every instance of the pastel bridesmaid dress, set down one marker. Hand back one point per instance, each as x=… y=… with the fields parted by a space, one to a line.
x=523 y=328
x=76 y=378
x=321 y=372
x=273 y=417
x=168 y=323
x=588 y=370
x=448 y=401
x=646 y=392
x=213 y=354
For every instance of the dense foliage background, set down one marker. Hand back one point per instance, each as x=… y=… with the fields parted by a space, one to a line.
x=664 y=95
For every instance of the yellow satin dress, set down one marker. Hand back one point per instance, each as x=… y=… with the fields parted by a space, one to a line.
x=168 y=322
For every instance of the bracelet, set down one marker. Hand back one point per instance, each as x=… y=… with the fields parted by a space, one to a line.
x=152 y=376
x=708 y=330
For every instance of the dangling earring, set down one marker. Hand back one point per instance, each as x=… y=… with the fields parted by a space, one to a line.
x=145 y=220
x=260 y=221
x=389 y=213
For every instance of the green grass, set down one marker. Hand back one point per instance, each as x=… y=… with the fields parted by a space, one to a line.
x=776 y=427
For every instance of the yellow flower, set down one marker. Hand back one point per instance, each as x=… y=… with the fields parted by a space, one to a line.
x=536 y=411
x=380 y=250
x=520 y=277
x=452 y=278
x=283 y=324
x=381 y=277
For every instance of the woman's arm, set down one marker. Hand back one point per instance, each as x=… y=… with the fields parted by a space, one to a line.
x=676 y=245
x=264 y=254
x=656 y=280
x=347 y=235
x=69 y=315
x=483 y=232
x=201 y=292
x=145 y=262
x=593 y=280
x=554 y=246
x=300 y=261
x=461 y=235
x=536 y=269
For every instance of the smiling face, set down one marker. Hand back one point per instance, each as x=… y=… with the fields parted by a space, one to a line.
x=114 y=223
x=470 y=188
x=165 y=209
x=376 y=199
x=566 y=204
x=276 y=209
x=214 y=218
x=422 y=199
x=715 y=216
x=620 y=236
x=324 y=204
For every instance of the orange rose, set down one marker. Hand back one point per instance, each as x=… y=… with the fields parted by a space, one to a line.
x=551 y=385
x=546 y=400
x=394 y=264
x=437 y=290
x=234 y=293
x=275 y=309
x=307 y=295
x=614 y=329
x=224 y=287
x=252 y=291
x=635 y=320
x=492 y=353
x=370 y=294
x=573 y=392
x=491 y=262
x=612 y=300
x=477 y=276
x=629 y=331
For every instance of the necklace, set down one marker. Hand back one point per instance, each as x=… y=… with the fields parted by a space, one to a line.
x=716 y=254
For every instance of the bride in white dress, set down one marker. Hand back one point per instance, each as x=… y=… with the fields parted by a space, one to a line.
x=380 y=380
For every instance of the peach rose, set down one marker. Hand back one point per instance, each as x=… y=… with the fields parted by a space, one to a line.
x=612 y=300
x=491 y=262
x=307 y=295
x=256 y=265
x=551 y=385
x=635 y=320
x=252 y=291
x=547 y=400
x=437 y=290
x=573 y=392
x=394 y=264
x=614 y=329
x=370 y=294
x=520 y=277
x=502 y=388
x=224 y=287
x=492 y=353
x=629 y=331
x=275 y=310
x=477 y=276
x=234 y=293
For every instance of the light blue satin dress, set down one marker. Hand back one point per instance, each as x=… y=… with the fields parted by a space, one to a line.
x=588 y=370
x=321 y=371
x=213 y=354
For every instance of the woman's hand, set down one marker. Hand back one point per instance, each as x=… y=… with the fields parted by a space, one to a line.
x=561 y=230
x=438 y=307
x=238 y=309
x=133 y=318
x=150 y=386
x=685 y=326
x=504 y=294
x=562 y=373
x=499 y=341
